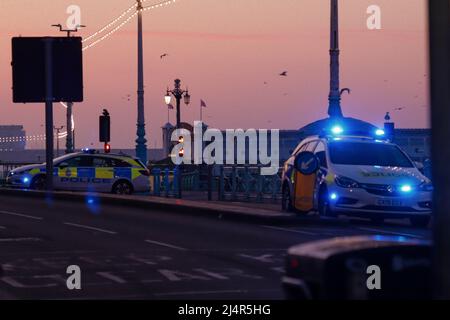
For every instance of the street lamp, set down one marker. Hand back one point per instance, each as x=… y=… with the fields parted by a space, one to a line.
x=178 y=93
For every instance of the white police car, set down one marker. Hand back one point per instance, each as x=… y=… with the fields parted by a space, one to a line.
x=86 y=171
x=356 y=176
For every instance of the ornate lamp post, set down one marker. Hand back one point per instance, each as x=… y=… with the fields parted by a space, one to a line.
x=178 y=94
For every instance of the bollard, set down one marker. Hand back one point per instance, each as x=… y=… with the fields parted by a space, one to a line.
x=233 y=183
x=247 y=183
x=166 y=182
x=176 y=182
x=210 y=182
x=156 y=182
x=221 y=184
x=275 y=187
x=259 y=196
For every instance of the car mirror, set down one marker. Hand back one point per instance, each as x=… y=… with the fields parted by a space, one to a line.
x=307 y=163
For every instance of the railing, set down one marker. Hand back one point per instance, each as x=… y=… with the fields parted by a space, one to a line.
x=230 y=183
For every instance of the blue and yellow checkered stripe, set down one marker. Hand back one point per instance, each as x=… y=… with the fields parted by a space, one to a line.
x=97 y=173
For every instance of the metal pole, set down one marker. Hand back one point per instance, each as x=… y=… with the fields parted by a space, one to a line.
x=69 y=139
x=178 y=98
x=439 y=19
x=141 y=146
x=334 y=98
x=49 y=114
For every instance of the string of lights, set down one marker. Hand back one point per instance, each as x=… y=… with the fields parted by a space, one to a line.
x=62 y=135
x=123 y=23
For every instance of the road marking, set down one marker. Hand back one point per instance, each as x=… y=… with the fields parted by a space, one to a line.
x=191 y=293
x=20 y=215
x=391 y=232
x=291 y=230
x=2 y=227
x=19 y=239
x=110 y=276
x=166 y=245
x=89 y=228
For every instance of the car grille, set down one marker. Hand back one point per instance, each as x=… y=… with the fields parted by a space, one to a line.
x=383 y=190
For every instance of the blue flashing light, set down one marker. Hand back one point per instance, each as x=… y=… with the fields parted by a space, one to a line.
x=337 y=130
x=333 y=196
x=406 y=188
x=26 y=180
x=380 y=133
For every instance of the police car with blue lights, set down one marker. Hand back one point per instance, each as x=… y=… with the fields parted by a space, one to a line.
x=87 y=171
x=365 y=176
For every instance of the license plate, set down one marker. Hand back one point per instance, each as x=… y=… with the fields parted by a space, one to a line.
x=389 y=203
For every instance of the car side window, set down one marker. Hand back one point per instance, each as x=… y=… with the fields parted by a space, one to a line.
x=321 y=154
x=117 y=163
x=100 y=162
x=311 y=146
x=77 y=162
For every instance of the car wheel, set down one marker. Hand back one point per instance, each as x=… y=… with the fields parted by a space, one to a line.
x=38 y=183
x=324 y=205
x=420 y=222
x=286 y=200
x=123 y=187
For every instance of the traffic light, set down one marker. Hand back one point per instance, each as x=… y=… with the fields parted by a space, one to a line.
x=105 y=127
x=107 y=148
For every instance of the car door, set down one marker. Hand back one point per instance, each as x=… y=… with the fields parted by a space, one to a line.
x=321 y=175
x=304 y=186
x=74 y=173
x=104 y=174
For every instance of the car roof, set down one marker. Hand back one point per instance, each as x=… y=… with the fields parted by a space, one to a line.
x=343 y=138
x=108 y=155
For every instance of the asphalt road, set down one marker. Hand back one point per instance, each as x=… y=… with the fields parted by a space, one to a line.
x=129 y=253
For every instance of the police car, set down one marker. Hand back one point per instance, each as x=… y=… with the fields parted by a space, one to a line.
x=87 y=171
x=355 y=176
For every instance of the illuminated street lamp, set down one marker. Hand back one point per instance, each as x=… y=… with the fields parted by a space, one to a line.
x=178 y=93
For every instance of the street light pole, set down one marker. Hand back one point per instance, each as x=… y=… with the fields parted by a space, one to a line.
x=141 y=142
x=69 y=111
x=439 y=28
x=178 y=94
x=58 y=131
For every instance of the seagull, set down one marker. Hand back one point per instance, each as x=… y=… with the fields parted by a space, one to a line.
x=164 y=55
x=399 y=109
x=283 y=74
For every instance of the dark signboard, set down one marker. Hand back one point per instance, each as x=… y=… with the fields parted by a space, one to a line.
x=28 y=65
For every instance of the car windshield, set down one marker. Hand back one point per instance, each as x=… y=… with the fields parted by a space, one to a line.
x=368 y=154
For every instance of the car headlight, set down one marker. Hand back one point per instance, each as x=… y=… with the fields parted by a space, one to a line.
x=426 y=186
x=345 y=182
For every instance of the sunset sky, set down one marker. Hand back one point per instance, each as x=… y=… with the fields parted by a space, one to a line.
x=224 y=51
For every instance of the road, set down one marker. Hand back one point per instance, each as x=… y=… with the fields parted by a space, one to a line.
x=129 y=253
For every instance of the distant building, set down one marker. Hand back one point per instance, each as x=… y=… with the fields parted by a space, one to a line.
x=12 y=138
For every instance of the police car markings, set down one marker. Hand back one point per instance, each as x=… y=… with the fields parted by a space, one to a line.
x=291 y=230
x=165 y=245
x=391 y=232
x=89 y=228
x=20 y=215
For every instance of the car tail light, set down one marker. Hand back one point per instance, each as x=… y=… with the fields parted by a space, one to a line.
x=145 y=173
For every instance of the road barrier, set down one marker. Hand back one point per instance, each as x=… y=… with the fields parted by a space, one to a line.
x=230 y=183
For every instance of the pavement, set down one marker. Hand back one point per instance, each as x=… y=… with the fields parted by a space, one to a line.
x=134 y=248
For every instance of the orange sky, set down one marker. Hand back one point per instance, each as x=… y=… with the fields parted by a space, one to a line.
x=225 y=50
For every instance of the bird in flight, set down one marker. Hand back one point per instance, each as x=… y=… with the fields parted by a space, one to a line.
x=399 y=109
x=284 y=74
x=164 y=55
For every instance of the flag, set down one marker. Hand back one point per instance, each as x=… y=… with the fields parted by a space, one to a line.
x=202 y=104
x=171 y=107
